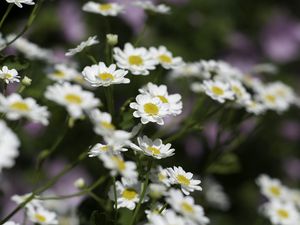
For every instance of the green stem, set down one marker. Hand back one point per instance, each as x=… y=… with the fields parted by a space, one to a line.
x=163 y=208
x=115 y=199
x=6 y=14
x=109 y=99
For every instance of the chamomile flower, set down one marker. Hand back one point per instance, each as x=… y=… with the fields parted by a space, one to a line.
x=160 y=175
x=178 y=176
x=240 y=92
x=102 y=122
x=218 y=90
x=9 y=144
x=208 y=68
x=101 y=75
x=138 y=60
x=117 y=165
x=272 y=101
x=15 y=107
x=20 y=2
x=156 y=191
x=172 y=101
x=99 y=149
x=165 y=58
x=149 y=109
x=73 y=97
x=168 y=218
x=190 y=69
x=255 y=107
x=185 y=205
x=89 y=42
x=42 y=216
x=9 y=75
x=272 y=188
x=154 y=148
x=118 y=140
x=148 y=5
x=34 y=203
x=127 y=194
x=281 y=213
x=62 y=73
x=105 y=9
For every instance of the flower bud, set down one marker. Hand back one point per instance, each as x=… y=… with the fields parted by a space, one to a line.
x=112 y=39
x=26 y=81
x=79 y=183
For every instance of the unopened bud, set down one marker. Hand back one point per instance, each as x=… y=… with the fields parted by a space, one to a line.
x=112 y=39
x=26 y=81
x=79 y=183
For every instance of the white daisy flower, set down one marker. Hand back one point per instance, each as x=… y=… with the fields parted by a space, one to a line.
x=62 y=73
x=281 y=213
x=101 y=75
x=148 y=5
x=34 y=203
x=217 y=90
x=160 y=175
x=168 y=218
x=105 y=9
x=173 y=101
x=127 y=194
x=255 y=107
x=165 y=58
x=89 y=42
x=15 y=107
x=272 y=188
x=185 y=205
x=156 y=191
x=154 y=210
x=102 y=122
x=9 y=144
x=9 y=76
x=20 y=2
x=73 y=97
x=191 y=69
x=240 y=92
x=11 y=223
x=42 y=216
x=99 y=149
x=117 y=165
x=118 y=139
x=178 y=176
x=138 y=60
x=149 y=109
x=208 y=68
x=154 y=148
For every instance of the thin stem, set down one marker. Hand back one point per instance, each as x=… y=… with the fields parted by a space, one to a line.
x=115 y=199
x=109 y=99
x=6 y=14
x=163 y=208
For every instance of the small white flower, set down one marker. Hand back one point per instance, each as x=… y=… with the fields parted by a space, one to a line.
x=160 y=175
x=138 y=60
x=165 y=58
x=157 y=190
x=99 y=149
x=178 y=176
x=218 y=90
x=101 y=75
x=105 y=9
x=20 y=2
x=62 y=73
x=89 y=42
x=42 y=216
x=34 y=203
x=72 y=97
x=240 y=92
x=168 y=218
x=15 y=107
x=173 y=102
x=154 y=148
x=79 y=183
x=148 y=5
x=9 y=76
x=255 y=107
x=9 y=144
x=272 y=188
x=149 y=109
x=186 y=206
x=191 y=69
x=208 y=68
x=102 y=122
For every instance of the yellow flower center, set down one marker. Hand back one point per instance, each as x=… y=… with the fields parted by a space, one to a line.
x=20 y=106
x=106 y=76
x=271 y=98
x=59 y=74
x=163 y=99
x=107 y=125
x=161 y=177
x=73 y=99
x=153 y=150
x=8 y=76
x=120 y=163
x=283 y=213
x=183 y=180
x=187 y=207
x=135 y=60
x=151 y=109
x=104 y=148
x=40 y=218
x=165 y=58
x=129 y=194
x=237 y=91
x=275 y=190
x=217 y=91
x=105 y=7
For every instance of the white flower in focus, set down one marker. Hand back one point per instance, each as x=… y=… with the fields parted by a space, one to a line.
x=272 y=188
x=173 y=102
x=9 y=144
x=168 y=218
x=281 y=213
x=73 y=97
x=101 y=75
x=102 y=122
x=148 y=5
x=42 y=216
x=178 y=176
x=149 y=109
x=105 y=9
x=185 y=205
x=154 y=148
x=218 y=90
x=99 y=149
x=62 y=73
x=20 y=2
x=89 y=42
x=165 y=58
x=138 y=60
x=15 y=107
x=9 y=76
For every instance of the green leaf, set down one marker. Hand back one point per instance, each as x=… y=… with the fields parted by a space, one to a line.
x=226 y=164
